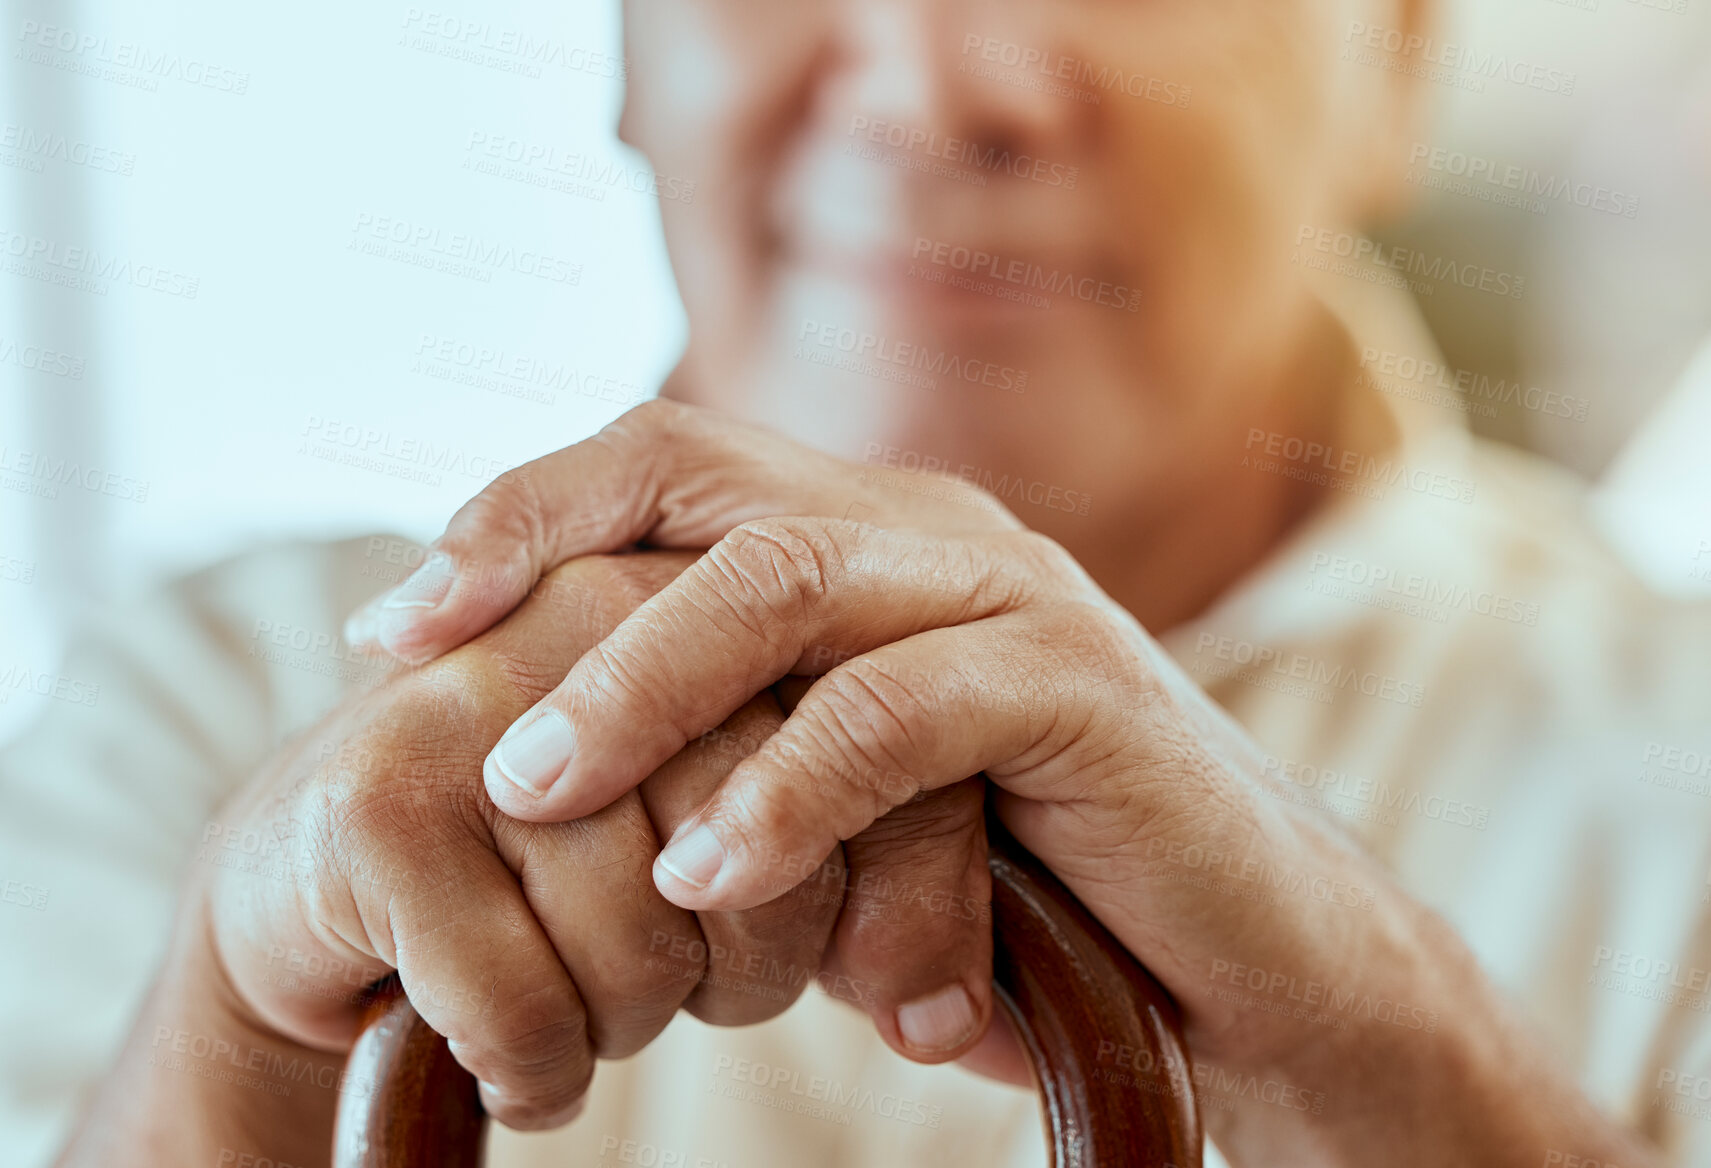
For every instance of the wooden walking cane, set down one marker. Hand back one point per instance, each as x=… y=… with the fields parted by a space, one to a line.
x=1073 y=991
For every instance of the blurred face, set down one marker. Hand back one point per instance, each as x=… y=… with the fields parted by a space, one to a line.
x=1045 y=240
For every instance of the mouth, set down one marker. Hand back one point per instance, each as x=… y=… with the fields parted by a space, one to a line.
x=965 y=284
x=927 y=252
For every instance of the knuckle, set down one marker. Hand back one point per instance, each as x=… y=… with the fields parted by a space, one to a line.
x=788 y=563
x=1050 y=562
x=943 y=828
x=441 y=699
x=656 y=415
x=921 y=873
x=617 y=584
x=760 y=959
x=769 y=820
x=399 y=782
x=646 y=428
x=1101 y=645
x=764 y=956
x=871 y=718
x=508 y=517
x=881 y=931
x=539 y=1038
x=634 y=1001
x=990 y=502
x=622 y=680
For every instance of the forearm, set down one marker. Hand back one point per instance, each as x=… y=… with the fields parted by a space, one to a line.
x=1471 y=1086
x=200 y=1082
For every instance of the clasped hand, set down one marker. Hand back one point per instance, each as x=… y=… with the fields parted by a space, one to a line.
x=917 y=635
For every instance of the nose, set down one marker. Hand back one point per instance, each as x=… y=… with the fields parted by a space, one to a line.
x=965 y=69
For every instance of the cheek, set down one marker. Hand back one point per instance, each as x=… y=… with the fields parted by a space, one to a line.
x=714 y=84
x=716 y=91
x=1209 y=192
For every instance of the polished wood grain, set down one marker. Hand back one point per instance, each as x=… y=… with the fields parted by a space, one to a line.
x=1105 y=1040
x=408 y=1104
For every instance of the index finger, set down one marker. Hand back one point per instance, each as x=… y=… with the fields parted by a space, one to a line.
x=775 y=597
x=663 y=474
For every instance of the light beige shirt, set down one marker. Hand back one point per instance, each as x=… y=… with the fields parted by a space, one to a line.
x=1445 y=659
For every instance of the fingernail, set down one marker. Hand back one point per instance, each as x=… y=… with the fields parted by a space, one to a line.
x=937 y=1022
x=694 y=858
x=427 y=585
x=533 y=756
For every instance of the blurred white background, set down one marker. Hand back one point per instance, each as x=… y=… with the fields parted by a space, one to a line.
x=234 y=413
x=296 y=345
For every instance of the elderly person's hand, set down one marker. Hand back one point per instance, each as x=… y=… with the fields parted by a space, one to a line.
x=369 y=844
x=945 y=644
x=534 y=947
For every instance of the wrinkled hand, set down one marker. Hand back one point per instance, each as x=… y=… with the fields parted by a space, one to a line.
x=534 y=947
x=942 y=641
x=916 y=928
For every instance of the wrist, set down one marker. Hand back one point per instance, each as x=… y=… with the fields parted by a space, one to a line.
x=1428 y=1071
x=201 y=1080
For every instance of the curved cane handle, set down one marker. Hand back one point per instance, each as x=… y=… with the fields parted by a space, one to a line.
x=1089 y=1016
x=1078 y=998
